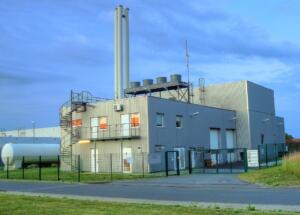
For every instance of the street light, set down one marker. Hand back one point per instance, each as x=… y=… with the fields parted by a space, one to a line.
x=33 y=131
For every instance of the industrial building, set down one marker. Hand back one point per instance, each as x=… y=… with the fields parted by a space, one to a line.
x=165 y=115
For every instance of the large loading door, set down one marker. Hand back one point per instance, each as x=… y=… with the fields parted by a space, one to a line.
x=214 y=143
x=230 y=144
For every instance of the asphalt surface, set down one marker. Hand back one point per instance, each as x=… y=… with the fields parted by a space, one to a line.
x=208 y=188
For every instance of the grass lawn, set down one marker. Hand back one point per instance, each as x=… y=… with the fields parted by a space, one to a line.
x=288 y=174
x=15 y=204
x=50 y=174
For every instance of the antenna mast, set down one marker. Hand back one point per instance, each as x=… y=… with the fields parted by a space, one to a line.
x=187 y=67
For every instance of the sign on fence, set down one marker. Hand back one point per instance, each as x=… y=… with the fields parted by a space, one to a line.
x=252 y=156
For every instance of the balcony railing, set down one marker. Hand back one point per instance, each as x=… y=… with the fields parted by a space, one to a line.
x=111 y=132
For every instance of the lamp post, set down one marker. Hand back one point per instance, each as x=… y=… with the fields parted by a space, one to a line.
x=33 y=131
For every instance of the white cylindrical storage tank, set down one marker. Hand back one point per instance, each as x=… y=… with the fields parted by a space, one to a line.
x=13 y=153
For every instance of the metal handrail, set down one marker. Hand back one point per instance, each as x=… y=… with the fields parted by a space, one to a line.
x=112 y=131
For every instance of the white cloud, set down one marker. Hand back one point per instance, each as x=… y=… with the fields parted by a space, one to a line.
x=253 y=69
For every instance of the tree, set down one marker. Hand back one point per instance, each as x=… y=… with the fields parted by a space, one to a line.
x=288 y=136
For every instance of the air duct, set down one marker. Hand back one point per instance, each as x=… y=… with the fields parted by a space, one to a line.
x=118 y=67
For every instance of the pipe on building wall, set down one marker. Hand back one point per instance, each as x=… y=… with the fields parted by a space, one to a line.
x=126 y=48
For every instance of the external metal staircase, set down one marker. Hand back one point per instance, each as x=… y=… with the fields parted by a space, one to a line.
x=78 y=103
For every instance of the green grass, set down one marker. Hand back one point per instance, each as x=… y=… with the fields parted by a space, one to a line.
x=288 y=174
x=20 y=205
x=50 y=174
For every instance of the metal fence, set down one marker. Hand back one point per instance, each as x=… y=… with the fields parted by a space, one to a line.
x=217 y=160
x=271 y=154
x=79 y=168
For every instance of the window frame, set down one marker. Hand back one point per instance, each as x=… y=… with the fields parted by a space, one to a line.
x=139 y=117
x=162 y=115
x=99 y=122
x=181 y=119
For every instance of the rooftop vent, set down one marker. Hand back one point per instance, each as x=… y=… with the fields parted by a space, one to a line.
x=147 y=82
x=176 y=78
x=134 y=84
x=161 y=80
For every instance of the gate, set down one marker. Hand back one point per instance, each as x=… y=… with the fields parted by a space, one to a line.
x=217 y=160
x=172 y=163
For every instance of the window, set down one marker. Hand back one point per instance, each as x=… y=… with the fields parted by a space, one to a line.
x=76 y=122
x=94 y=127
x=159 y=119
x=103 y=123
x=178 y=121
x=135 y=120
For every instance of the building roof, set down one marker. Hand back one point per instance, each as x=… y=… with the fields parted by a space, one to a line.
x=293 y=141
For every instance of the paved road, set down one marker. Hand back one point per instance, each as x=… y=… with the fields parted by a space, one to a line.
x=195 y=188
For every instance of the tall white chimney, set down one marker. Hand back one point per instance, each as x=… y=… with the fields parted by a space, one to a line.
x=119 y=52
x=116 y=82
x=126 y=49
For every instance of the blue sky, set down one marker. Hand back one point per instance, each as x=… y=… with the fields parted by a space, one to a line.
x=48 y=47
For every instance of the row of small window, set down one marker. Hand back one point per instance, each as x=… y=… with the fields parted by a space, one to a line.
x=101 y=122
x=160 y=120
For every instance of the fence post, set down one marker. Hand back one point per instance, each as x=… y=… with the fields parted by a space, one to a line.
x=143 y=164
x=245 y=160
x=40 y=167
x=276 y=154
x=7 y=167
x=230 y=160
x=259 y=158
x=58 y=167
x=203 y=160
x=23 y=167
x=78 y=168
x=267 y=165
x=111 y=166
x=190 y=161
x=217 y=159
x=177 y=162
x=166 y=163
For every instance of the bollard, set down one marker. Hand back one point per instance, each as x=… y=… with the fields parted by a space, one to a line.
x=276 y=154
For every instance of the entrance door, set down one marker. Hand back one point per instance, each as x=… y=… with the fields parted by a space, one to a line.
x=127 y=160
x=94 y=160
x=181 y=152
x=214 y=143
x=125 y=126
x=230 y=140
